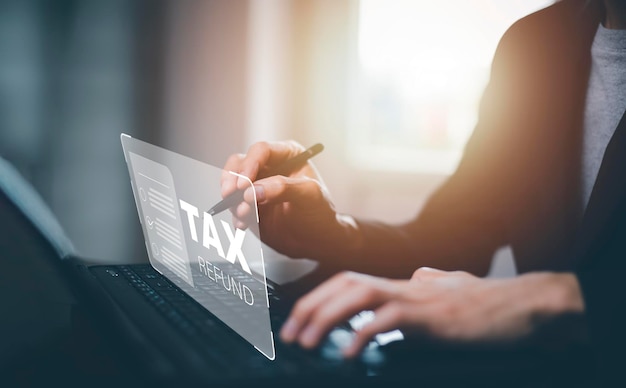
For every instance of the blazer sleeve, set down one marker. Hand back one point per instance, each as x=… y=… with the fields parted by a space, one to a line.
x=465 y=220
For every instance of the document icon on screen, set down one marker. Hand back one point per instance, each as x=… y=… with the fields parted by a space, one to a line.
x=161 y=218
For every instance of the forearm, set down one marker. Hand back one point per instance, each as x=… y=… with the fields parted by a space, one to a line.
x=461 y=226
x=397 y=250
x=376 y=248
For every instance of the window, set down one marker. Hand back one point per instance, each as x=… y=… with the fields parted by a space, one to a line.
x=418 y=78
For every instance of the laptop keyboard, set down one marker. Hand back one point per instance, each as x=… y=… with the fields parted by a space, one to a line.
x=194 y=321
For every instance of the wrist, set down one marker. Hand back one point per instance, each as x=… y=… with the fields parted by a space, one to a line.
x=556 y=294
x=555 y=306
x=351 y=237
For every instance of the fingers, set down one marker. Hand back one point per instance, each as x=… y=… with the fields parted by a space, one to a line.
x=300 y=314
x=228 y=180
x=333 y=303
x=260 y=156
x=386 y=318
x=278 y=189
x=301 y=191
x=263 y=155
x=243 y=215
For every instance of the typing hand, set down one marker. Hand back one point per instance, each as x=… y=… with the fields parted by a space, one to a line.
x=445 y=306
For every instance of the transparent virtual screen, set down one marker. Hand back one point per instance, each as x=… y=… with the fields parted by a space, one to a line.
x=217 y=264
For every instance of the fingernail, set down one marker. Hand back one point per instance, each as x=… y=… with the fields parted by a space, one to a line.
x=289 y=330
x=260 y=193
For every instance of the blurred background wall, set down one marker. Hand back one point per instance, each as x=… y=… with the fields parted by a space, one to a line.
x=390 y=87
x=73 y=75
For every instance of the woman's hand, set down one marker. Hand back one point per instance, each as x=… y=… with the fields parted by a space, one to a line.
x=449 y=306
x=297 y=217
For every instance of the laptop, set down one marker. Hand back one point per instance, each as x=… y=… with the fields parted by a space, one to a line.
x=162 y=334
x=202 y=309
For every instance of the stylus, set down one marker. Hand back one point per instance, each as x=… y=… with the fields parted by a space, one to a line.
x=283 y=169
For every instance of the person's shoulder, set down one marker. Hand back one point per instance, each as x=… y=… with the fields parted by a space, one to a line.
x=548 y=29
x=553 y=18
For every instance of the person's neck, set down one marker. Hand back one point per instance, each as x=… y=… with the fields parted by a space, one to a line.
x=615 y=18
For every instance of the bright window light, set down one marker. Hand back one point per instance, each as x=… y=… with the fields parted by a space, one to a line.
x=421 y=69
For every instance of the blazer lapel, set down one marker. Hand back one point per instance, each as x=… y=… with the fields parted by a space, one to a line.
x=608 y=191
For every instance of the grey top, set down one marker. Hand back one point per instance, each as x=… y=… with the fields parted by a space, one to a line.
x=606 y=101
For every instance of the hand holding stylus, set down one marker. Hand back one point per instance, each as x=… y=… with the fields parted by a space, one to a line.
x=285 y=168
x=296 y=215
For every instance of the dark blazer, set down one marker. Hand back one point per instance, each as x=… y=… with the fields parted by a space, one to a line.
x=601 y=252
x=519 y=181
